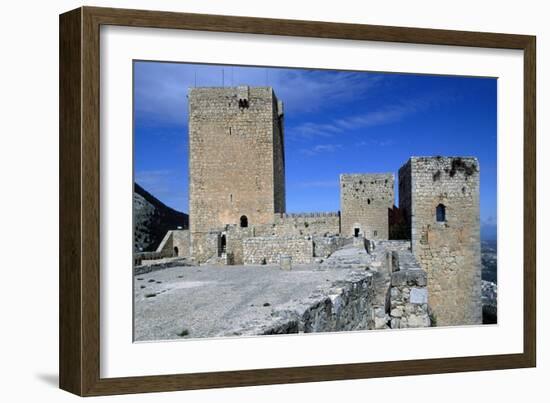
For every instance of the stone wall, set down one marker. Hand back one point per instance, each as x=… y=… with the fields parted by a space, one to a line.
x=364 y=201
x=409 y=299
x=326 y=245
x=448 y=246
x=236 y=160
x=181 y=243
x=347 y=308
x=278 y=157
x=302 y=224
x=235 y=236
x=267 y=250
x=175 y=243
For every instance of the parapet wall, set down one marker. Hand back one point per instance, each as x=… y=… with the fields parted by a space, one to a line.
x=303 y=224
x=347 y=308
x=325 y=246
x=267 y=250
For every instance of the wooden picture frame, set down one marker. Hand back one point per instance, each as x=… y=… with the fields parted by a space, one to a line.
x=79 y=346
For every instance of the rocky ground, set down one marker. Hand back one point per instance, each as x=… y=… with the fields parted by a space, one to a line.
x=210 y=301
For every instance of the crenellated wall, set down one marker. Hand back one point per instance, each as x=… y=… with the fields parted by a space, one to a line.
x=267 y=250
x=302 y=224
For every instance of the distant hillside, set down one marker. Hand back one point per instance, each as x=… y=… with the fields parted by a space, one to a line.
x=152 y=219
x=489 y=261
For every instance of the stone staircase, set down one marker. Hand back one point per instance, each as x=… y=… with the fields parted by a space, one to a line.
x=351 y=256
x=348 y=257
x=393 y=267
x=407 y=261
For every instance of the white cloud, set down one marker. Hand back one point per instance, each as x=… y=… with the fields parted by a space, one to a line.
x=321 y=148
x=386 y=115
x=161 y=88
x=375 y=142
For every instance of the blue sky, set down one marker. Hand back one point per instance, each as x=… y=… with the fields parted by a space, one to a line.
x=335 y=122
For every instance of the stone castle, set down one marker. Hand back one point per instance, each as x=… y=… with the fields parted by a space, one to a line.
x=237 y=211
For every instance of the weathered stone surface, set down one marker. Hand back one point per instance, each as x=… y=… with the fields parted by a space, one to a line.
x=397 y=312
x=268 y=250
x=236 y=160
x=285 y=262
x=208 y=301
x=365 y=200
x=409 y=277
x=419 y=295
x=326 y=245
x=237 y=210
x=176 y=243
x=448 y=248
x=306 y=224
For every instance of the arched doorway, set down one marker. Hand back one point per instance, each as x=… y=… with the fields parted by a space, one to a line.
x=244 y=221
x=176 y=251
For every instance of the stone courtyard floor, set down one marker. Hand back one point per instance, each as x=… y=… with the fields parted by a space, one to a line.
x=214 y=301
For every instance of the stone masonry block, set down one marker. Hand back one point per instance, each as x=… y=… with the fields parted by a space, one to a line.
x=409 y=277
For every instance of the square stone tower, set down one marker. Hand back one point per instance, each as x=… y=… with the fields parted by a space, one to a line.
x=236 y=160
x=364 y=203
x=440 y=198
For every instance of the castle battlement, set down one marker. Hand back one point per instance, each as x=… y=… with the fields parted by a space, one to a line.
x=238 y=201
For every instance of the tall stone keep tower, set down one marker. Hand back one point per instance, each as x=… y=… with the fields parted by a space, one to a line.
x=364 y=201
x=440 y=198
x=236 y=160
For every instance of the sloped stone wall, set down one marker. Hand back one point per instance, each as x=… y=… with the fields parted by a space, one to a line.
x=409 y=299
x=326 y=246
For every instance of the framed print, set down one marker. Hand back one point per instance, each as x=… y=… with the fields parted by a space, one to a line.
x=249 y=201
